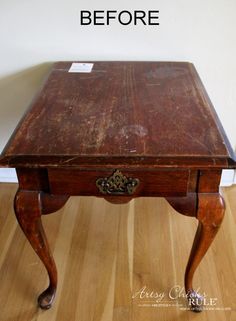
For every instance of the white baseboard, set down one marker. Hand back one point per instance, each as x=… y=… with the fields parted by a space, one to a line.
x=8 y=175
x=228 y=177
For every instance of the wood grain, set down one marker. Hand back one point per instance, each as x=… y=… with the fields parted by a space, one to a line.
x=105 y=253
x=151 y=182
x=156 y=113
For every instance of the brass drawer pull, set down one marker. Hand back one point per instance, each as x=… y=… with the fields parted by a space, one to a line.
x=117 y=184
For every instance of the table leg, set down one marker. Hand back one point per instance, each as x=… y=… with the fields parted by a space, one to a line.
x=28 y=207
x=210 y=214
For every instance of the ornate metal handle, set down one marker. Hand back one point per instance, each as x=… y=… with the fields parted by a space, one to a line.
x=117 y=184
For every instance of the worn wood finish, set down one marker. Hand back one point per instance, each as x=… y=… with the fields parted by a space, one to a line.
x=151 y=183
x=28 y=212
x=210 y=213
x=29 y=206
x=156 y=113
x=126 y=129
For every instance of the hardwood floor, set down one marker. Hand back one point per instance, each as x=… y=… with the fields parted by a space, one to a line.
x=105 y=255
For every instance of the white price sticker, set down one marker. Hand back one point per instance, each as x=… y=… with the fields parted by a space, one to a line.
x=81 y=67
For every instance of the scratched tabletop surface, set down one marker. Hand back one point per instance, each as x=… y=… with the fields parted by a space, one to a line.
x=119 y=110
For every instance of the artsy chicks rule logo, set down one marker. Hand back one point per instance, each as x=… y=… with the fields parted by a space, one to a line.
x=175 y=297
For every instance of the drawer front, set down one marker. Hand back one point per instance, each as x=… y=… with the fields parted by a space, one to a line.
x=118 y=182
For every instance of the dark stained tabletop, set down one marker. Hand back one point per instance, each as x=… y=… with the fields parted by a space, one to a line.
x=121 y=112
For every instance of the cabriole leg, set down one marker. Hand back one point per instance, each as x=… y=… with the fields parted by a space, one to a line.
x=28 y=210
x=210 y=214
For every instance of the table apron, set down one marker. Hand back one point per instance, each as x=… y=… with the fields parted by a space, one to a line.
x=122 y=182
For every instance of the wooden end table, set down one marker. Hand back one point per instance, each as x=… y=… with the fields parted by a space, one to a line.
x=123 y=130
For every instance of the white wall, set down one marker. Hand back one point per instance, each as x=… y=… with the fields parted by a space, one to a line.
x=35 y=33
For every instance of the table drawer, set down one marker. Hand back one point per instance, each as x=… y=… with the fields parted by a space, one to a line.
x=118 y=182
